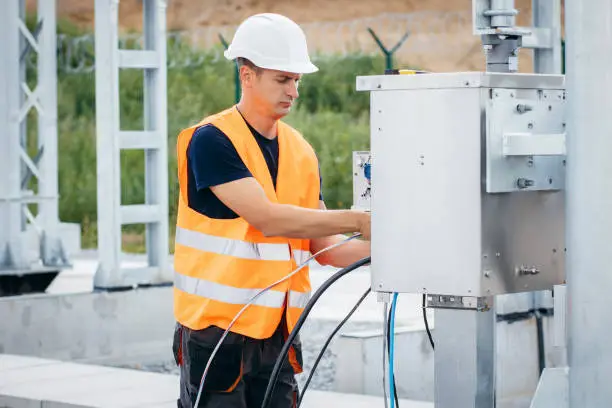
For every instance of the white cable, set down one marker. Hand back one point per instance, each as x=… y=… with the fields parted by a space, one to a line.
x=250 y=302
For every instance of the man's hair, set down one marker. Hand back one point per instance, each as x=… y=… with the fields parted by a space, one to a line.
x=241 y=61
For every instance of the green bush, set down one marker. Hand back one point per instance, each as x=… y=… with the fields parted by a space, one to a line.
x=334 y=136
x=330 y=114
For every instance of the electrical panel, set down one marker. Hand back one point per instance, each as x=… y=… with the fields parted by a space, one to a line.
x=362 y=180
x=467 y=184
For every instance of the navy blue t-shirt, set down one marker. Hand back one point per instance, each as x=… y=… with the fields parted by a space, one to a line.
x=212 y=160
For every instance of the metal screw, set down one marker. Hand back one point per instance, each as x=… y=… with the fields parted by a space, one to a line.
x=522 y=108
x=525 y=270
x=524 y=183
x=530 y=125
x=497 y=254
x=487 y=274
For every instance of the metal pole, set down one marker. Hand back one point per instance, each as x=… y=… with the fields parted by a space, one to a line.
x=107 y=128
x=237 y=88
x=388 y=52
x=11 y=236
x=589 y=201
x=51 y=245
x=547 y=15
x=464 y=361
x=156 y=160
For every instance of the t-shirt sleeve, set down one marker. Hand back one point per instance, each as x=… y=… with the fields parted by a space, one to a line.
x=214 y=159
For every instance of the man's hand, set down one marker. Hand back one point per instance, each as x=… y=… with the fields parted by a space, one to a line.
x=365 y=226
x=247 y=198
x=346 y=254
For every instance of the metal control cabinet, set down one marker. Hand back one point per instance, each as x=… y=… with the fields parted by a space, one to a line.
x=467 y=177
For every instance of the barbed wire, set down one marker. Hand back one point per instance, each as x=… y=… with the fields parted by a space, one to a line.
x=429 y=33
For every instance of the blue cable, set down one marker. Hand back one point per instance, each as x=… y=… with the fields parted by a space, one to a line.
x=392 y=349
x=367 y=171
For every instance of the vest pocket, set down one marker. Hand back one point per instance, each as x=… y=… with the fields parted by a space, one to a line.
x=224 y=373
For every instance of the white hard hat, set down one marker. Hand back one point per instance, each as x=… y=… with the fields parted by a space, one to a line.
x=272 y=41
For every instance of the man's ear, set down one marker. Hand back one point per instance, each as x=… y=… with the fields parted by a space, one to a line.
x=246 y=76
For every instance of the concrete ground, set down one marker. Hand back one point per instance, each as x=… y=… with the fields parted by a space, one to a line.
x=27 y=382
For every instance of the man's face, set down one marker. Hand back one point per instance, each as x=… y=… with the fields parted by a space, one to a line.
x=274 y=91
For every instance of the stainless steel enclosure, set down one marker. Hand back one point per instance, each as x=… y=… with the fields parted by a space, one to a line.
x=467 y=177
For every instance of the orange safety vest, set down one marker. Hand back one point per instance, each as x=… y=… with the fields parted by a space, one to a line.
x=219 y=264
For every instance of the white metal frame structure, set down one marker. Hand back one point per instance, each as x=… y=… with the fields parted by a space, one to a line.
x=17 y=166
x=111 y=140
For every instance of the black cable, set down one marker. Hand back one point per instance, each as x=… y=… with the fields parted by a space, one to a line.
x=427 y=324
x=300 y=323
x=329 y=339
x=541 y=346
x=389 y=356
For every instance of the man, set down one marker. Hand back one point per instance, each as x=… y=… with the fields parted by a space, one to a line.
x=250 y=211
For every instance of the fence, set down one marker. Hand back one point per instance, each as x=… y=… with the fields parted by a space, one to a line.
x=435 y=40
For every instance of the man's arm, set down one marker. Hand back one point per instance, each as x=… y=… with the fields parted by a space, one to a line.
x=248 y=199
x=342 y=256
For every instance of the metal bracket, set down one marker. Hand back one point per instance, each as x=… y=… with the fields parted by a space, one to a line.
x=383 y=297
x=480 y=304
x=495 y=22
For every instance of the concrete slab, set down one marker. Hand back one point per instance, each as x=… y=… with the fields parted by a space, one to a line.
x=117 y=327
x=318 y=399
x=29 y=384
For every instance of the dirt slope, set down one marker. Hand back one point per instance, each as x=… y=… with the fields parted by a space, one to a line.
x=184 y=14
x=437 y=42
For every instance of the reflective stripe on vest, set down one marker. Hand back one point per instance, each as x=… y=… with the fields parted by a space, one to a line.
x=301 y=256
x=233 y=247
x=298 y=299
x=237 y=296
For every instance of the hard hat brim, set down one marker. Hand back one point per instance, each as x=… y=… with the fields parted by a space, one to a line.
x=294 y=68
